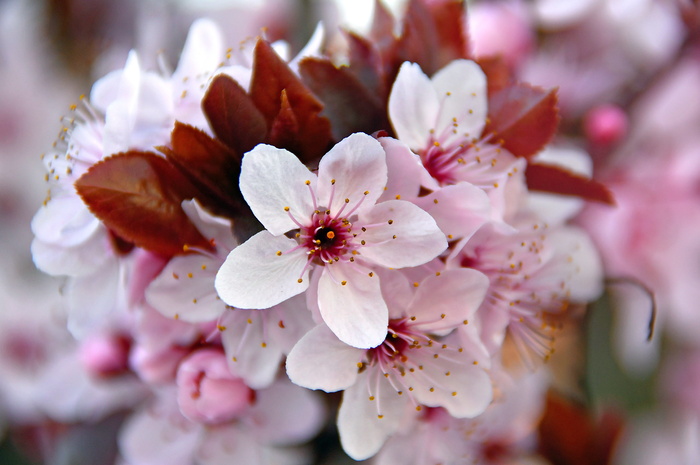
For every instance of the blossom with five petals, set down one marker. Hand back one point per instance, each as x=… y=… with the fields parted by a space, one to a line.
x=330 y=223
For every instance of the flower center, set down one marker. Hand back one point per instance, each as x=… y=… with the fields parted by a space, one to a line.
x=324 y=238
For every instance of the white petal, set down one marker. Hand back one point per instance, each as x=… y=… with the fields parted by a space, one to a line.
x=465 y=392
x=358 y=165
x=93 y=298
x=443 y=302
x=356 y=311
x=272 y=179
x=254 y=276
x=64 y=220
x=413 y=106
x=150 y=437
x=202 y=51
x=321 y=361
x=405 y=170
x=211 y=227
x=185 y=290
x=459 y=210
x=418 y=238
x=362 y=432
x=286 y=414
x=80 y=260
x=461 y=90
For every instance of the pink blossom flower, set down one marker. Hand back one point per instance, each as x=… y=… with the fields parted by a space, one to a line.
x=411 y=368
x=503 y=434
x=255 y=342
x=281 y=416
x=442 y=119
x=535 y=273
x=338 y=231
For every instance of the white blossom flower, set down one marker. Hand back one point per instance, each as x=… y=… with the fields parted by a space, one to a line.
x=336 y=228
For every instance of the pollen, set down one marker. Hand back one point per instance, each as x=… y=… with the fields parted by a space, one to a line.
x=390 y=221
x=416 y=284
x=307 y=182
x=263 y=345
x=343 y=283
x=279 y=252
x=330 y=234
x=286 y=209
x=300 y=280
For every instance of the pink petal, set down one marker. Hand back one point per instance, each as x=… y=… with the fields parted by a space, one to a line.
x=465 y=392
x=461 y=90
x=362 y=431
x=413 y=106
x=185 y=290
x=321 y=361
x=254 y=276
x=272 y=179
x=358 y=165
x=459 y=210
x=356 y=311
x=444 y=302
x=405 y=170
x=417 y=238
x=286 y=414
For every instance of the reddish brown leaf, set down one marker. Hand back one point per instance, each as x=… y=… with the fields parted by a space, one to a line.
x=285 y=125
x=366 y=65
x=433 y=34
x=271 y=76
x=138 y=195
x=232 y=115
x=419 y=39
x=209 y=165
x=569 y=435
x=498 y=74
x=383 y=23
x=348 y=104
x=556 y=180
x=524 y=118
x=450 y=24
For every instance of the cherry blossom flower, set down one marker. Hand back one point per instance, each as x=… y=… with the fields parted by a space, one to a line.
x=337 y=230
x=281 y=416
x=255 y=342
x=411 y=368
x=442 y=119
x=503 y=434
x=536 y=272
x=139 y=111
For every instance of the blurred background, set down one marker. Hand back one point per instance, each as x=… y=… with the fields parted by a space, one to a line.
x=628 y=74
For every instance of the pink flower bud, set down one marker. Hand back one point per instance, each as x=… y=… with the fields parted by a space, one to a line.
x=207 y=391
x=605 y=125
x=105 y=355
x=156 y=367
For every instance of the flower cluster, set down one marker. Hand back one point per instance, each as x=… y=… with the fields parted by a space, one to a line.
x=253 y=227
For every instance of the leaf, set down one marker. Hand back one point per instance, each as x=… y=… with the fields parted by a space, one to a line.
x=271 y=76
x=557 y=180
x=433 y=34
x=232 y=115
x=209 y=165
x=569 y=435
x=498 y=74
x=348 y=104
x=366 y=65
x=523 y=118
x=285 y=125
x=138 y=195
